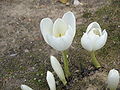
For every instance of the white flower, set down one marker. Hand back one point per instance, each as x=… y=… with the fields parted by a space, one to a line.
x=94 y=38
x=113 y=79
x=58 y=69
x=59 y=34
x=51 y=80
x=25 y=87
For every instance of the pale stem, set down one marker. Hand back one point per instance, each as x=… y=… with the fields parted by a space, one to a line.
x=64 y=81
x=66 y=64
x=94 y=60
x=112 y=88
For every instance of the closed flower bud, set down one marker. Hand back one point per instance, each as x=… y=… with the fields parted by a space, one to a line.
x=58 y=69
x=113 y=79
x=51 y=80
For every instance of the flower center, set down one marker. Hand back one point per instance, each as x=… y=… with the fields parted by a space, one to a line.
x=59 y=28
x=59 y=35
x=96 y=31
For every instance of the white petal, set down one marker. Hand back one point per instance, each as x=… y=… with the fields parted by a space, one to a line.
x=25 y=87
x=100 y=42
x=113 y=79
x=93 y=38
x=46 y=26
x=59 y=27
x=69 y=18
x=86 y=43
x=58 y=69
x=93 y=25
x=51 y=80
x=61 y=43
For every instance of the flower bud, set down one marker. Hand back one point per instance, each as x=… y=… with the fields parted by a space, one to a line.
x=113 y=79
x=51 y=80
x=58 y=69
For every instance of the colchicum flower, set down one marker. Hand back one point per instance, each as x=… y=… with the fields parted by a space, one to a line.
x=51 y=80
x=58 y=69
x=93 y=39
x=113 y=79
x=25 y=87
x=59 y=34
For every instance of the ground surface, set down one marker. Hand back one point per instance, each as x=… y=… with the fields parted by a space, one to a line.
x=24 y=55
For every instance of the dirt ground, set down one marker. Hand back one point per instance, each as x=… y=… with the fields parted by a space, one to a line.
x=24 y=55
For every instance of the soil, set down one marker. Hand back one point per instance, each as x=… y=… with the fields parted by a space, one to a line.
x=24 y=55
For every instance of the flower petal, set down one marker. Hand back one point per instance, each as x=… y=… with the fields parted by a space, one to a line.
x=58 y=69
x=93 y=38
x=46 y=26
x=93 y=25
x=69 y=18
x=86 y=43
x=100 y=42
x=51 y=80
x=61 y=43
x=59 y=27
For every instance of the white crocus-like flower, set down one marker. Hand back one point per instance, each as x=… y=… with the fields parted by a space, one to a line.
x=25 y=87
x=51 y=80
x=113 y=79
x=94 y=38
x=59 y=34
x=58 y=69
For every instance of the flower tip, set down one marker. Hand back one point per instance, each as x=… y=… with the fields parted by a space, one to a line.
x=49 y=76
x=48 y=72
x=52 y=58
x=114 y=71
x=69 y=13
x=25 y=87
x=44 y=19
x=95 y=22
x=22 y=86
x=104 y=31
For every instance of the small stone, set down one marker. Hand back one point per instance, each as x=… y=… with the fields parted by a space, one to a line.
x=12 y=55
x=39 y=80
x=26 y=50
x=37 y=74
x=35 y=79
x=41 y=74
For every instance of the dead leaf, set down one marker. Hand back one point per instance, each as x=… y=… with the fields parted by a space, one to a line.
x=64 y=1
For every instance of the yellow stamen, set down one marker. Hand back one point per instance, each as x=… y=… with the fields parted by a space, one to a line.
x=96 y=31
x=59 y=35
